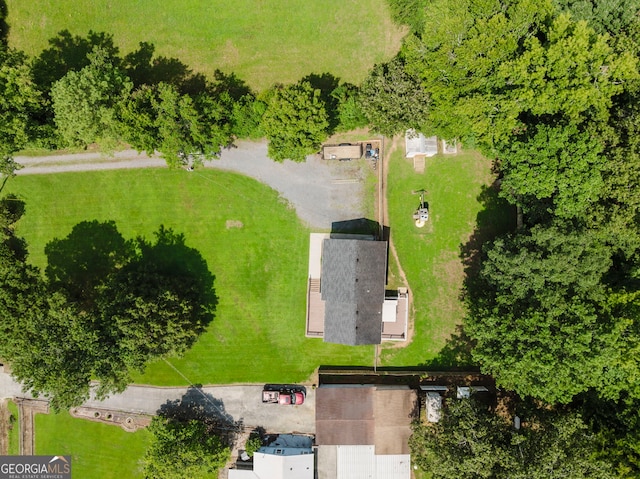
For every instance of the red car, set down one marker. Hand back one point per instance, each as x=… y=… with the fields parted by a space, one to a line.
x=283 y=395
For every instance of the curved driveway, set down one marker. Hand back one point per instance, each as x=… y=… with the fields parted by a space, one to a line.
x=322 y=192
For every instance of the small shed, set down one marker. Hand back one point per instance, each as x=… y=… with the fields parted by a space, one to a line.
x=434 y=406
x=464 y=392
x=342 y=152
x=416 y=144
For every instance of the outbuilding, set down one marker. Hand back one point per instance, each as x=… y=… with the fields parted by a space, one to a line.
x=344 y=151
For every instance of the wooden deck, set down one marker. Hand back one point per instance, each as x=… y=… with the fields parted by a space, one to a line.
x=315 y=310
x=398 y=331
x=391 y=331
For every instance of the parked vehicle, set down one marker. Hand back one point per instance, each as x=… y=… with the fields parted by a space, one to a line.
x=283 y=394
x=371 y=152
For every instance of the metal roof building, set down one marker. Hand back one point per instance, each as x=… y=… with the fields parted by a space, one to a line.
x=418 y=144
x=362 y=432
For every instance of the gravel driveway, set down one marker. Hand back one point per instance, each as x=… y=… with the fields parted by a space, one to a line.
x=320 y=191
x=235 y=403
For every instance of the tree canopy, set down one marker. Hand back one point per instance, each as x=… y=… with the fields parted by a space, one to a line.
x=183 y=450
x=20 y=101
x=393 y=100
x=107 y=307
x=475 y=442
x=295 y=122
x=540 y=319
x=85 y=102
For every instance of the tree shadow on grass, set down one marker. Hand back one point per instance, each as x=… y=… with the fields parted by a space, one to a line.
x=145 y=69
x=496 y=218
x=201 y=406
x=94 y=252
x=456 y=353
x=229 y=84
x=4 y=26
x=81 y=262
x=67 y=53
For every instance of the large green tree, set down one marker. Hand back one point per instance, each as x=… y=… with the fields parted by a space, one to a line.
x=469 y=441
x=541 y=315
x=85 y=102
x=20 y=101
x=393 y=100
x=183 y=449
x=558 y=168
x=295 y=122
x=493 y=68
x=183 y=128
x=108 y=307
x=612 y=16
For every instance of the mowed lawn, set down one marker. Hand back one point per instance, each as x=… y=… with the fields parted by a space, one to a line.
x=98 y=451
x=260 y=267
x=431 y=256
x=262 y=41
x=14 y=433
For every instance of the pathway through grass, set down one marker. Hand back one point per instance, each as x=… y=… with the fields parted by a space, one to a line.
x=430 y=256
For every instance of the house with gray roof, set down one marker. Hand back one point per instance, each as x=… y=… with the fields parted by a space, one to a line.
x=353 y=289
x=289 y=456
x=346 y=298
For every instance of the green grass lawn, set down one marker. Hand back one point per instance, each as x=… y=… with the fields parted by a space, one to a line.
x=14 y=433
x=260 y=268
x=98 y=451
x=430 y=256
x=262 y=41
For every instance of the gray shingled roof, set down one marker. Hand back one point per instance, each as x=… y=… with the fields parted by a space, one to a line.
x=353 y=281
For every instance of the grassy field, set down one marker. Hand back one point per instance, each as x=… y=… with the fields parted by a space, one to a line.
x=431 y=256
x=260 y=268
x=263 y=42
x=14 y=433
x=98 y=451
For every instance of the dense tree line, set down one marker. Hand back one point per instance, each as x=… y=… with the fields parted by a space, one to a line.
x=472 y=440
x=549 y=90
x=81 y=91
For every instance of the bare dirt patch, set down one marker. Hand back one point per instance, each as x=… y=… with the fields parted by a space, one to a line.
x=233 y=224
x=127 y=421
